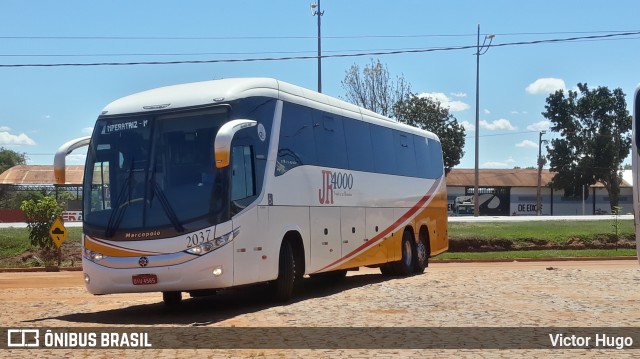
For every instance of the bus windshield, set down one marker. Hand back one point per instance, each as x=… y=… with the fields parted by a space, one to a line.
x=152 y=172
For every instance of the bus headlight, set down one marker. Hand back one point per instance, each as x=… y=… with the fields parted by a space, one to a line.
x=217 y=271
x=202 y=248
x=216 y=243
x=222 y=240
x=93 y=256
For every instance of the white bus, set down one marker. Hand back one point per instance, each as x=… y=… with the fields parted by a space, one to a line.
x=210 y=185
x=635 y=164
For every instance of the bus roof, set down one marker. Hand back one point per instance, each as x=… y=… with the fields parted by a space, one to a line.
x=225 y=90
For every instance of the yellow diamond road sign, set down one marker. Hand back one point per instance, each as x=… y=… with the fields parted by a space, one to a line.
x=58 y=233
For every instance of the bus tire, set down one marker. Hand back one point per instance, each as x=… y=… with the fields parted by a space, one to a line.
x=171 y=299
x=283 y=285
x=422 y=256
x=404 y=267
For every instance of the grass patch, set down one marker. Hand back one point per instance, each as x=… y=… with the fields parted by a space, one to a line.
x=554 y=232
x=538 y=254
x=14 y=242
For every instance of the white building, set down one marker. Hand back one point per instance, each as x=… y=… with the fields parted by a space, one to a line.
x=513 y=192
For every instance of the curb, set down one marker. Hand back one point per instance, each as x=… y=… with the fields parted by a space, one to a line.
x=40 y=269
x=556 y=259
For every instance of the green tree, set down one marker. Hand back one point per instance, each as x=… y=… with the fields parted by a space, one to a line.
x=9 y=158
x=374 y=89
x=12 y=198
x=40 y=215
x=594 y=129
x=429 y=114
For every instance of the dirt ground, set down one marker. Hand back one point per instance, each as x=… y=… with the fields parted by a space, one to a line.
x=511 y=294
x=64 y=279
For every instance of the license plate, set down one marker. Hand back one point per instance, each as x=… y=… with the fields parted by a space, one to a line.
x=144 y=279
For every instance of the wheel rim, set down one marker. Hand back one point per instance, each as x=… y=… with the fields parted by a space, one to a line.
x=407 y=253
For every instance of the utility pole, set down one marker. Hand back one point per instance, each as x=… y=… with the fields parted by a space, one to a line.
x=540 y=164
x=319 y=14
x=476 y=204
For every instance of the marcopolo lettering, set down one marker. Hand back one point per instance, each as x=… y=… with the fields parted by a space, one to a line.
x=137 y=235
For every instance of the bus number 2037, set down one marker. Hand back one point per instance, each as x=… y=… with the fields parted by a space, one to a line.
x=198 y=238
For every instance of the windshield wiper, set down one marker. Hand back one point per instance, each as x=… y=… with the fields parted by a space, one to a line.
x=164 y=202
x=117 y=213
x=166 y=206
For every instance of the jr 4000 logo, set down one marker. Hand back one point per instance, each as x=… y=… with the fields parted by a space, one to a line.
x=331 y=182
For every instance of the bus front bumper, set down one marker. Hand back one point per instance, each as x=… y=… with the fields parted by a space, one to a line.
x=211 y=271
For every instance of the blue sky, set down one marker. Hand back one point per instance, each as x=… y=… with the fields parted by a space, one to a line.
x=43 y=107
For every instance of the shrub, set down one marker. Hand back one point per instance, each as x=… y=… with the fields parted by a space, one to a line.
x=40 y=215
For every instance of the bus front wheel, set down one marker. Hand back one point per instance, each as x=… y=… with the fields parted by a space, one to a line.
x=283 y=285
x=172 y=299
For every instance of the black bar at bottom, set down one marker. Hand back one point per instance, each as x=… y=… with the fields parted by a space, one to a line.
x=323 y=338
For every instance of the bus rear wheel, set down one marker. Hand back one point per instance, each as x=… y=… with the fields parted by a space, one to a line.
x=283 y=286
x=422 y=257
x=404 y=267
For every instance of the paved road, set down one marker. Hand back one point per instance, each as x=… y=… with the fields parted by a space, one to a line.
x=536 y=218
x=539 y=294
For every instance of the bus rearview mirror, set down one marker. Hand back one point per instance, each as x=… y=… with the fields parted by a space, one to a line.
x=222 y=144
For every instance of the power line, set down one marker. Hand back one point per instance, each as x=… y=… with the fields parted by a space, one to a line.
x=259 y=52
x=181 y=38
x=206 y=53
x=343 y=55
x=199 y=38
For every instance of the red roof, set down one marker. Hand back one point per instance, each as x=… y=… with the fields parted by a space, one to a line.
x=40 y=175
x=458 y=177
x=463 y=177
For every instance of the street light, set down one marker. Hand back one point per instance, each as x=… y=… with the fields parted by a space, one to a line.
x=319 y=14
x=485 y=47
x=540 y=164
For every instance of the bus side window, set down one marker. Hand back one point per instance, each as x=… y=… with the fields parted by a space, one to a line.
x=330 y=142
x=435 y=157
x=384 y=154
x=243 y=174
x=405 y=154
x=359 y=147
x=297 y=143
x=423 y=157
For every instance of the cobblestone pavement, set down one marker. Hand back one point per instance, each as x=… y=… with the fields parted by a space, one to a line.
x=539 y=294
